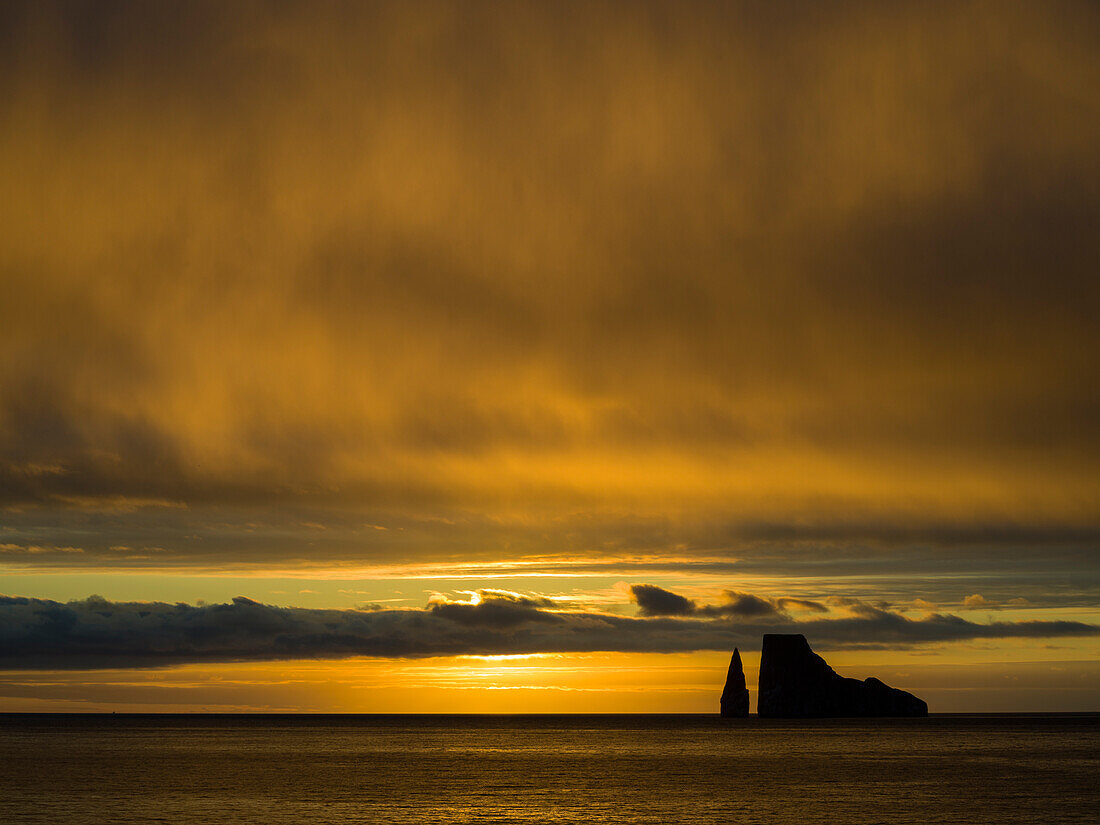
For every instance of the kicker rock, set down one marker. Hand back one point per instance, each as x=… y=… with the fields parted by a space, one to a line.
x=796 y=682
x=735 y=696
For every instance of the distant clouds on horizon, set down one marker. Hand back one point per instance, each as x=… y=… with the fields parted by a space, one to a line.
x=95 y=633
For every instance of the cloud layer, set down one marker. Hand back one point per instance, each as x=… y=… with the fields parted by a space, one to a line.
x=96 y=633
x=493 y=264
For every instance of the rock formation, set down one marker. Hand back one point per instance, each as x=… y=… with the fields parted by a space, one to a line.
x=796 y=682
x=735 y=696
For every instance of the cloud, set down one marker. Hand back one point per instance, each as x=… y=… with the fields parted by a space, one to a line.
x=19 y=550
x=744 y=605
x=802 y=605
x=978 y=600
x=587 y=281
x=656 y=601
x=750 y=606
x=494 y=608
x=97 y=633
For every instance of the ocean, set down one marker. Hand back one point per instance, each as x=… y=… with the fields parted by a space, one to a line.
x=316 y=770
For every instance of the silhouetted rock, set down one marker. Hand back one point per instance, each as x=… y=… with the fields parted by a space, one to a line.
x=735 y=696
x=796 y=682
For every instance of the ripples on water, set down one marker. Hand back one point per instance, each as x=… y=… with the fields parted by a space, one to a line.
x=630 y=769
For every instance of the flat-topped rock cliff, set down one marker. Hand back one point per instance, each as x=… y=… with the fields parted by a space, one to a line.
x=735 y=696
x=797 y=683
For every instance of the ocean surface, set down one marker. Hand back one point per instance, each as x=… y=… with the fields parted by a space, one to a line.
x=313 y=770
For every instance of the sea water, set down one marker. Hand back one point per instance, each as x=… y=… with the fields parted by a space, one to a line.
x=313 y=770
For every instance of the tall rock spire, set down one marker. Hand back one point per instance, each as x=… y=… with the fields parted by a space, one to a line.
x=735 y=696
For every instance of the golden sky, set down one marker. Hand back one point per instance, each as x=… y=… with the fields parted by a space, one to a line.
x=440 y=329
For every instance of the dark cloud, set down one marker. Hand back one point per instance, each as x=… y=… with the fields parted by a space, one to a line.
x=96 y=633
x=743 y=605
x=656 y=601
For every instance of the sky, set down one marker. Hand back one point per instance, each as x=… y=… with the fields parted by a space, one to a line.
x=501 y=357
